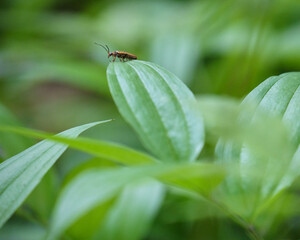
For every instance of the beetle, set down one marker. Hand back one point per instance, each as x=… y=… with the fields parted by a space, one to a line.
x=123 y=56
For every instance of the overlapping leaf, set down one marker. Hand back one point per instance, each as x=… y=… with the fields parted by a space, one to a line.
x=110 y=151
x=96 y=186
x=20 y=174
x=267 y=159
x=130 y=217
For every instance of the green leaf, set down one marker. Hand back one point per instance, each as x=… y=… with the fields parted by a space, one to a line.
x=93 y=162
x=159 y=107
x=88 y=226
x=267 y=160
x=280 y=96
x=94 y=187
x=110 y=151
x=131 y=216
x=20 y=174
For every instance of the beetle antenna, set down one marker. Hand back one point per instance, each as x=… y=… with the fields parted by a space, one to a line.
x=103 y=46
x=107 y=48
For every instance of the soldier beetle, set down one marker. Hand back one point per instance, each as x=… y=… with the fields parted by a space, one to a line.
x=123 y=56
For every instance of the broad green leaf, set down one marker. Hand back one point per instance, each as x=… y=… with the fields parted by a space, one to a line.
x=267 y=160
x=20 y=174
x=96 y=186
x=131 y=216
x=159 y=107
x=10 y=143
x=280 y=96
x=110 y=151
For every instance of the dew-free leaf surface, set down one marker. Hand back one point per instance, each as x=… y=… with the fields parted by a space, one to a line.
x=159 y=107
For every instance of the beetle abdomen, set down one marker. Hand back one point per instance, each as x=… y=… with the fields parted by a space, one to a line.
x=121 y=54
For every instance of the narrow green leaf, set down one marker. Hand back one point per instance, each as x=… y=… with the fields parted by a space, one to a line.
x=110 y=151
x=20 y=174
x=159 y=107
x=96 y=186
x=131 y=216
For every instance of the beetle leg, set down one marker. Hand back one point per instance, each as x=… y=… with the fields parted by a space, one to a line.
x=114 y=59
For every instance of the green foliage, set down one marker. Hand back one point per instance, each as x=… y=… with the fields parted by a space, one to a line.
x=266 y=160
x=134 y=211
x=257 y=147
x=181 y=164
x=105 y=150
x=97 y=186
x=20 y=174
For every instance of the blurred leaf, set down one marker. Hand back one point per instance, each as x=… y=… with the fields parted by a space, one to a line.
x=280 y=96
x=200 y=178
x=96 y=186
x=159 y=107
x=11 y=143
x=182 y=206
x=20 y=174
x=87 y=226
x=220 y=117
x=110 y=151
x=94 y=162
x=266 y=160
x=131 y=216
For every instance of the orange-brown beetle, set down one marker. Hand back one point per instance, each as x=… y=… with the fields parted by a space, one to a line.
x=123 y=56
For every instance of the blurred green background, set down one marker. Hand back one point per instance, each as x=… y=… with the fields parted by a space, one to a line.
x=53 y=76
